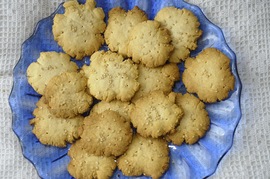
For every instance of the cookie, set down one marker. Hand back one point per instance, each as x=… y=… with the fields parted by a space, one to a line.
x=184 y=28
x=122 y=108
x=85 y=71
x=145 y=156
x=194 y=123
x=107 y=133
x=48 y=65
x=66 y=95
x=209 y=75
x=159 y=78
x=54 y=131
x=156 y=114
x=150 y=44
x=119 y=25
x=111 y=77
x=79 y=30
x=86 y=165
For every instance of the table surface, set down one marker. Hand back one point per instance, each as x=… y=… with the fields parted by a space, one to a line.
x=246 y=25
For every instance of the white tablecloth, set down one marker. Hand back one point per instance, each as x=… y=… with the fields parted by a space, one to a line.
x=246 y=25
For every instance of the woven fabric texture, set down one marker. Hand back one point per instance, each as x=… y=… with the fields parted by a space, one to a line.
x=246 y=26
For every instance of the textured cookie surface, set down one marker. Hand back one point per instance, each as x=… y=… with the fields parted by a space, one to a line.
x=84 y=165
x=48 y=65
x=150 y=44
x=122 y=108
x=159 y=78
x=184 y=28
x=119 y=25
x=54 y=131
x=194 y=123
x=85 y=71
x=79 y=30
x=145 y=156
x=107 y=133
x=111 y=77
x=209 y=75
x=66 y=95
x=156 y=114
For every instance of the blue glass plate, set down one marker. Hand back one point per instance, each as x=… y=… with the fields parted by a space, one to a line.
x=187 y=161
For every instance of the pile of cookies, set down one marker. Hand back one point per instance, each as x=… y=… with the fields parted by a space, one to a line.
x=137 y=113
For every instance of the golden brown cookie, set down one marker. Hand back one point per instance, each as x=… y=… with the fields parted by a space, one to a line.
x=107 y=134
x=156 y=114
x=194 y=123
x=123 y=108
x=111 y=77
x=184 y=28
x=145 y=156
x=54 y=131
x=119 y=25
x=84 y=165
x=79 y=30
x=85 y=71
x=48 y=65
x=159 y=78
x=209 y=75
x=66 y=95
x=150 y=44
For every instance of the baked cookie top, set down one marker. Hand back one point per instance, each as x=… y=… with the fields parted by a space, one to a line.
x=85 y=71
x=107 y=133
x=54 y=131
x=156 y=114
x=209 y=75
x=111 y=77
x=194 y=123
x=79 y=30
x=122 y=108
x=150 y=44
x=66 y=95
x=48 y=65
x=145 y=156
x=86 y=165
x=184 y=28
x=159 y=78
x=119 y=25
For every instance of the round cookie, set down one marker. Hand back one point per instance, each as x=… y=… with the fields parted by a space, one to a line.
x=48 y=65
x=150 y=44
x=119 y=25
x=85 y=165
x=122 y=108
x=184 y=28
x=194 y=123
x=111 y=77
x=85 y=71
x=209 y=75
x=54 y=131
x=79 y=30
x=66 y=95
x=145 y=156
x=156 y=114
x=159 y=78
x=107 y=134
